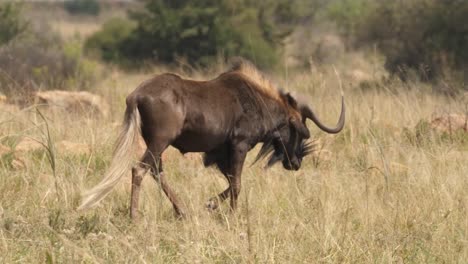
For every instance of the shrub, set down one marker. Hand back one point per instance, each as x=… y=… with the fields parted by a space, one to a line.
x=40 y=59
x=421 y=38
x=108 y=42
x=349 y=15
x=85 y=7
x=11 y=22
x=196 y=31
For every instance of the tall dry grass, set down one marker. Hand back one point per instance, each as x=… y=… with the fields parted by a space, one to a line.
x=382 y=191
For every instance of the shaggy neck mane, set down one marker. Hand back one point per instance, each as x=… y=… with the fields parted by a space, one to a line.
x=253 y=75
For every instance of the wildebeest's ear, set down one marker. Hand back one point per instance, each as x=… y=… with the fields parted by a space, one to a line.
x=300 y=127
x=291 y=100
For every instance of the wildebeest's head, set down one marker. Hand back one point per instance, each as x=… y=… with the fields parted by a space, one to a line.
x=288 y=143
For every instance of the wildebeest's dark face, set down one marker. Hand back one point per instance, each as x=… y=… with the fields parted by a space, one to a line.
x=289 y=145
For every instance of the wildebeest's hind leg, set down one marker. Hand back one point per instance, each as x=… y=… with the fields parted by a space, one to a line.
x=138 y=172
x=153 y=162
x=158 y=175
x=162 y=121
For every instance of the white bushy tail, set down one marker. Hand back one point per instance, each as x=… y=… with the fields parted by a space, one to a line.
x=121 y=161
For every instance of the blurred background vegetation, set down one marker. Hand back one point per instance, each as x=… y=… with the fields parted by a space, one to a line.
x=423 y=40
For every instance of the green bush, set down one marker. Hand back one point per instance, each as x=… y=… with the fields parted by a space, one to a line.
x=420 y=38
x=197 y=31
x=11 y=22
x=39 y=59
x=349 y=15
x=85 y=7
x=108 y=42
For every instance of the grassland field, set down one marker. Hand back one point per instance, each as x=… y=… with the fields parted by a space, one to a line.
x=387 y=189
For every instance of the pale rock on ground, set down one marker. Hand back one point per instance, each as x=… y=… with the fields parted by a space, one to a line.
x=16 y=163
x=75 y=102
x=65 y=146
x=450 y=123
x=25 y=145
x=28 y=144
x=4 y=150
x=9 y=108
x=6 y=107
x=358 y=76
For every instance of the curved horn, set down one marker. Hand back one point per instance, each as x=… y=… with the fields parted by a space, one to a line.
x=307 y=112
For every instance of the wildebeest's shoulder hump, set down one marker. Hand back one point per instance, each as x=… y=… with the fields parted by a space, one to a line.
x=158 y=78
x=171 y=75
x=255 y=78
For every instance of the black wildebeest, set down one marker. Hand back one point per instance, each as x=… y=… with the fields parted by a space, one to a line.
x=224 y=118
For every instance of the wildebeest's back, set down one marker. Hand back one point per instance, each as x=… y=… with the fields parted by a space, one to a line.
x=212 y=112
x=209 y=109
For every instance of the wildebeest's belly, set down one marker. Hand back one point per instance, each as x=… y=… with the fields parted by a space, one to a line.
x=195 y=141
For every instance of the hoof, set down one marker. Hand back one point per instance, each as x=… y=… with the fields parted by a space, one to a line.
x=212 y=204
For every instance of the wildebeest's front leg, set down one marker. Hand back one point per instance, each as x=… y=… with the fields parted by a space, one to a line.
x=213 y=202
x=231 y=169
x=239 y=152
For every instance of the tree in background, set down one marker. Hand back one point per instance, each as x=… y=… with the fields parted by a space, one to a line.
x=82 y=7
x=422 y=38
x=11 y=22
x=198 y=31
x=33 y=57
x=422 y=35
x=169 y=29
